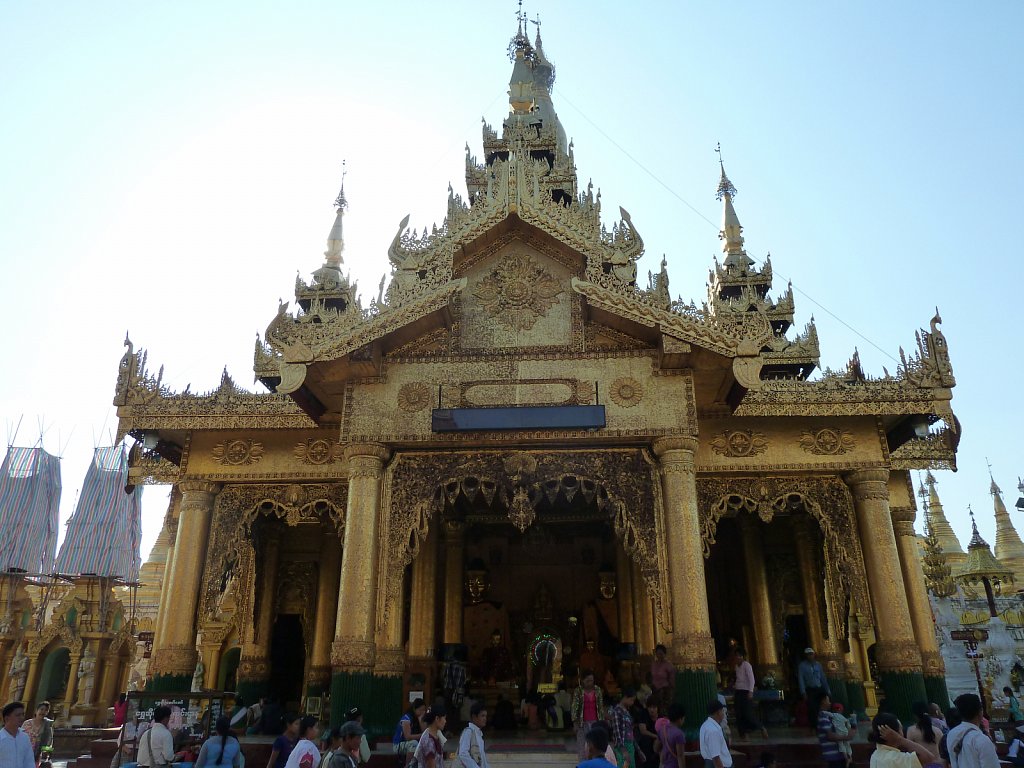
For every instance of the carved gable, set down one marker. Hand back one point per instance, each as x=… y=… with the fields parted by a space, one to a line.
x=517 y=298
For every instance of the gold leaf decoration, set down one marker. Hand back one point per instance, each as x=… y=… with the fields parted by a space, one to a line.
x=627 y=392
x=737 y=443
x=827 y=441
x=238 y=453
x=414 y=396
x=518 y=292
x=317 y=451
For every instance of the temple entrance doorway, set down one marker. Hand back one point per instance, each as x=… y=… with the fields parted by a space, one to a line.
x=287 y=660
x=53 y=680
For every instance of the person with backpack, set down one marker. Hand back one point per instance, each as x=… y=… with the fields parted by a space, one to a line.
x=968 y=745
x=671 y=737
x=221 y=750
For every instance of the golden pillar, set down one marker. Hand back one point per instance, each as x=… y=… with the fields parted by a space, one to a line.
x=454 y=547
x=767 y=650
x=920 y=609
x=422 y=631
x=175 y=659
x=318 y=678
x=390 y=660
x=211 y=653
x=353 y=650
x=643 y=613
x=897 y=654
x=171 y=522
x=692 y=649
x=30 y=692
x=254 y=663
x=71 y=691
x=108 y=681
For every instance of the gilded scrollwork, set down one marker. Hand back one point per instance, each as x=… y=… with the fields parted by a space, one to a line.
x=237 y=453
x=318 y=451
x=739 y=443
x=827 y=441
x=518 y=291
x=421 y=484
x=826 y=499
x=231 y=563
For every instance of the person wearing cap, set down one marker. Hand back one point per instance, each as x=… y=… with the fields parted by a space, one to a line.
x=812 y=678
x=713 y=747
x=355 y=715
x=351 y=736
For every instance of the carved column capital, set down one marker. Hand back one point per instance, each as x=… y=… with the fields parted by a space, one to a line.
x=319 y=675
x=869 y=483
x=365 y=455
x=903 y=528
x=453 y=530
x=676 y=443
x=903 y=515
x=191 y=485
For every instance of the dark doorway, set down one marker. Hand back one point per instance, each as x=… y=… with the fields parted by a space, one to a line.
x=794 y=641
x=287 y=660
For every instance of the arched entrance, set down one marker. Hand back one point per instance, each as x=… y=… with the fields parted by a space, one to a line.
x=53 y=679
x=227 y=674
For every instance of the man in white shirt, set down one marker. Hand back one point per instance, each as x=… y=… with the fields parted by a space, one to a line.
x=156 y=746
x=15 y=745
x=968 y=746
x=713 y=748
x=471 y=743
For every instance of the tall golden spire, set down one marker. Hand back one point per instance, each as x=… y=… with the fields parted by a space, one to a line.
x=937 y=571
x=938 y=522
x=1009 y=549
x=731 y=233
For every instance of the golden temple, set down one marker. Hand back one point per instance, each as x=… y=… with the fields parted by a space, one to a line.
x=518 y=446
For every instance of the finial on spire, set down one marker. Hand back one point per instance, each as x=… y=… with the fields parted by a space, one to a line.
x=993 y=489
x=725 y=187
x=341 y=202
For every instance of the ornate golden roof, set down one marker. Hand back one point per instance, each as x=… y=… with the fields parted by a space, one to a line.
x=981 y=563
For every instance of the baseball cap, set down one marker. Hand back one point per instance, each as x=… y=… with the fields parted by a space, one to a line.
x=351 y=728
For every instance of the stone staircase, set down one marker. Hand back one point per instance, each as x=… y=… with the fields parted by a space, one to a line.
x=531 y=759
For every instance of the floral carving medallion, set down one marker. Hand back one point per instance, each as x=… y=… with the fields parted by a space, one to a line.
x=317 y=451
x=414 y=396
x=827 y=441
x=238 y=453
x=626 y=392
x=737 y=443
x=518 y=291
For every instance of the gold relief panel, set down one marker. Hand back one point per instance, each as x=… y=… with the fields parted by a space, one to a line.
x=518 y=291
x=413 y=396
x=739 y=443
x=238 y=453
x=626 y=392
x=828 y=441
x=318 y=451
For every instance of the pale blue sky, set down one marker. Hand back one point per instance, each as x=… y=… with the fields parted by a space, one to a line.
x=168 y=167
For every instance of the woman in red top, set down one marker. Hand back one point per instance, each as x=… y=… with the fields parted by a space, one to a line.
x=587 y=708
x=120 y=710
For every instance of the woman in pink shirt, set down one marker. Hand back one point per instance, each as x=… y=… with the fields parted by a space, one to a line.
x=663 y=676
x=587 y=706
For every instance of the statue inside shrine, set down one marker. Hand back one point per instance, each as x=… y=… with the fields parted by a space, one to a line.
x=592 y=659
x=496 y=664
x=544 y=662
x=18 y=674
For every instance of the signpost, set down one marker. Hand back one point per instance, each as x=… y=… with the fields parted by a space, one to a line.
x=970 y=638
